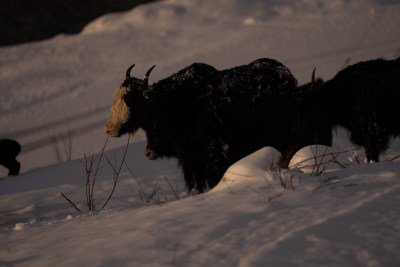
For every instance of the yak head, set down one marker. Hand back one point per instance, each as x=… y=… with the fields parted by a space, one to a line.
x=128 y=110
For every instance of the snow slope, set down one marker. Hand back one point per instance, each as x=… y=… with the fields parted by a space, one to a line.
x=258 y=215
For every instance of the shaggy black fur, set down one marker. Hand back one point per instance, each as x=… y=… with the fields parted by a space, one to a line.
x=202 y=116
x=363 y=98
x=210 y=162
x=9 y=149
x=209 y=119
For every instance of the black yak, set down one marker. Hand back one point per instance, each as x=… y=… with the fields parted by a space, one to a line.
x=9 y=149
x=207 y=118
x=363 y=98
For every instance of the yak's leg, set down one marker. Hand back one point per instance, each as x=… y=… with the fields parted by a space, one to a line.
x=376 y=140
x=12 y=165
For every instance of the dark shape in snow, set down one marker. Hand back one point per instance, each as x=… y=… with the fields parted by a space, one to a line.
x=9 y=149
x=363 y=98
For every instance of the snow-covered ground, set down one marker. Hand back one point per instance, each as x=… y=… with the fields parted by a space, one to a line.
x=258 y=215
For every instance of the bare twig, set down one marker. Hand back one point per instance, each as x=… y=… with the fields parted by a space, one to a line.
x=327 y=182
x=172 y=189
x=271 y=199
x=153 y=193
x=147 y=197
x=394 y=158
x=67 y=143
x=56 y=149
x=92 y=166
x=252 y=189
x=116 y=172
x=88 y=164
x=349 y=185
x=316 y=168
x=286 y=180
x=318 y=156
x=70 y=202
x=318 y=161
x=91 y=188
x=68 y=146
x=227 y=186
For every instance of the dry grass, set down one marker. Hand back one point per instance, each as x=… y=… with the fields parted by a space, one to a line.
x=66 y=146
x=92 y=165
x=150 y=197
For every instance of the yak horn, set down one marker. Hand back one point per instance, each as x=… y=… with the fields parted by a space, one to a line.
x=146 y=78
x=147 y=93
x=313 y=85
x=128 y=72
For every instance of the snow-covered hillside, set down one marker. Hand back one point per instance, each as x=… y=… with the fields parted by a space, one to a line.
x=258 y=215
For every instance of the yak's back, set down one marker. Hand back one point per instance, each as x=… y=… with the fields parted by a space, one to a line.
x=262 y=76
x=262 y=82
x=195 y=81
x=248 y=91
x=369 y=83
x=368 y=77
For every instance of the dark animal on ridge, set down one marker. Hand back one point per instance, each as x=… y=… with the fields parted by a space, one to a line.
x=207 y=118
x=363 y=98
x=9 y=150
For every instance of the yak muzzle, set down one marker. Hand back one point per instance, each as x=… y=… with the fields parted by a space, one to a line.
x=150 y=154
x=112 y=132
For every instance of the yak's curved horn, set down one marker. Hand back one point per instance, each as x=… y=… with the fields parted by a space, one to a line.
x=146 y=92
x=128 y=72
x=146 y=78
x=313 y=79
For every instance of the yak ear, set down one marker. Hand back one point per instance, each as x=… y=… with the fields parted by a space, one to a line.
x=128 y=89
x=148 y=95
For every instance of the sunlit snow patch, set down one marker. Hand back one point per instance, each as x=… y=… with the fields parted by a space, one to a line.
x=316 y=158
x=250 y=168
x=254 y=164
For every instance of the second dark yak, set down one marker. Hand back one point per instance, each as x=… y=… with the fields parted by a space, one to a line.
x=363 y=98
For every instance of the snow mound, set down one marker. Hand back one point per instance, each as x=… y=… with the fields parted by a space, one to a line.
x=316 y=158
x=254 y=164
x=250 y=169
